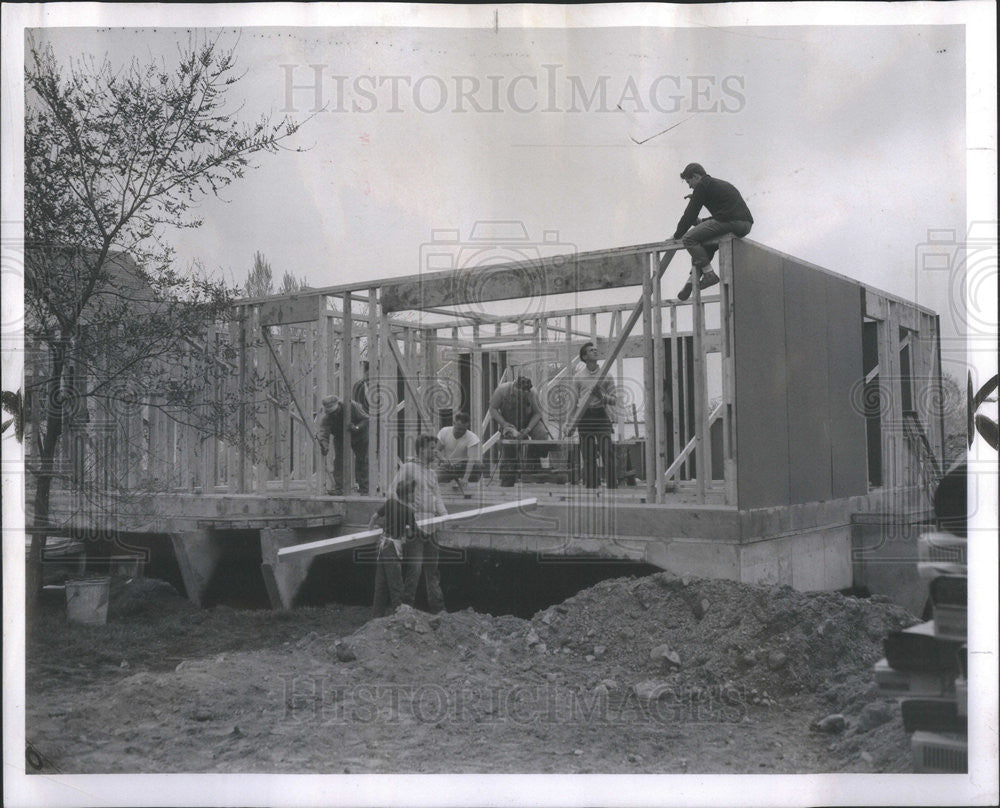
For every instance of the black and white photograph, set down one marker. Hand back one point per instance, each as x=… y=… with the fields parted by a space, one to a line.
x=570 y=405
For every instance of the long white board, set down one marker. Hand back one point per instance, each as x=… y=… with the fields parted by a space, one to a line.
x=367 y=537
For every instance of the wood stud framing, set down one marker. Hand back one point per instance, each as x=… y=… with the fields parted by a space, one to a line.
x=308 y=345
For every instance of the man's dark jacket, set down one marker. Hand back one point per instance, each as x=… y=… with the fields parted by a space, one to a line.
x=722 y=200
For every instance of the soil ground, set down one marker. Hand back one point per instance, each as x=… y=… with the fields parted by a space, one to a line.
x=646 y=675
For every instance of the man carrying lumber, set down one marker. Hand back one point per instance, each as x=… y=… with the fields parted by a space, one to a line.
x=730 y=214
x=420 y=557
x=399 y=527
x=594 y=425
x=515 y=409
x=460 y=463
x=331 y=422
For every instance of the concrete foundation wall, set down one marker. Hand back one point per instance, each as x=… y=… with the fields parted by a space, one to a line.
x=884 y=557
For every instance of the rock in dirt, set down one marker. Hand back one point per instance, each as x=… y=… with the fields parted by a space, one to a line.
x=413 y=620
x=666 y=656
x=875 y=715
x=830 y=724
x=650 y=690
x=136 y=597
x=776 y=660
x=599 y=651
x=345 y=653
x=305 y=641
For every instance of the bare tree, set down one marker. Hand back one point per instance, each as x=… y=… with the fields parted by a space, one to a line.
x=114 y=158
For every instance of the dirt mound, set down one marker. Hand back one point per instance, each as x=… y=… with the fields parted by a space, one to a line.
x=758 y=638
x=632 y=674
x=139 y=597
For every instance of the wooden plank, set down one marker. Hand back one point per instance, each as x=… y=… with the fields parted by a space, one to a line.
x=571 y=356
x=288 y=310
x=385 y=375
x=675 y=386
x=687 y=403
x=266 y=522
x=659 y=448
x=241 y=426
x=407 y=364
x=430 y=382
x=476 y=412
x=616 y=320
x=347 y=386
x=284 y=454
x=365 y=538
x=648 y=376
x=728 y=372
x=701 y=435
x=323 y=385
x=546 y=276
x=894 y=447
x=491 y=441
x=373 y=417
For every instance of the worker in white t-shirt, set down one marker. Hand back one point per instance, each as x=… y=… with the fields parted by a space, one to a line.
x=460 y=454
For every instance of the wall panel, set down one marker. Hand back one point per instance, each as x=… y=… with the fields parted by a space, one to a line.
x=807 y=403
x=761 y=376
x=845 y=370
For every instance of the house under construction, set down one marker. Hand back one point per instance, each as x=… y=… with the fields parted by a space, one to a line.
x=753 y=421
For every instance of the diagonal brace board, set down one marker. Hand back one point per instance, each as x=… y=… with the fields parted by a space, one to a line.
x=411 y=387
x=689 y=448
x=366 y=537
x=291 y=389
x=673 y=246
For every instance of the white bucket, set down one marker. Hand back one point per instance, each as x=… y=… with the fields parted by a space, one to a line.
x=87 y=601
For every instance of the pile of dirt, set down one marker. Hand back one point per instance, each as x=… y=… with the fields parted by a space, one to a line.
x=658 y=637
x=632 y=674
x=766 y=641
x=141 y=597
x=763 y=640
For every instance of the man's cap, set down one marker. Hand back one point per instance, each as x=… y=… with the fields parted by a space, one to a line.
x=523 y=382
x=330 y=402
x=691 y=169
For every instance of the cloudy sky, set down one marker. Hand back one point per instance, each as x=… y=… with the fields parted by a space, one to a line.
x=848 y=142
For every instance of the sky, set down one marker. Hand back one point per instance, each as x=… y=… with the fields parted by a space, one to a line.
x=848 y=142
